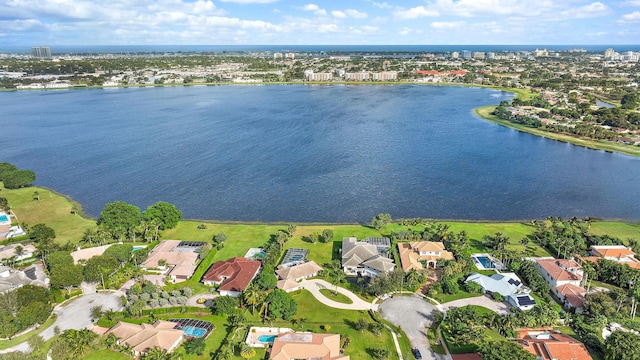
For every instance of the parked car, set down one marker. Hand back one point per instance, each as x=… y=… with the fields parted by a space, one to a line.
x=416 y=354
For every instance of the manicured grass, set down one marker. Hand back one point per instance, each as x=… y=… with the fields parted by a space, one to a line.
x=485 y=113
x=445 y=298
x=481 y=310
x=433 y=338
x=337 y=297
x=616 y=229
x=53 y=209
x=106 y=355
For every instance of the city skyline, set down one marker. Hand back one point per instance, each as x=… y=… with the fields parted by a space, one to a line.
x=366 y=22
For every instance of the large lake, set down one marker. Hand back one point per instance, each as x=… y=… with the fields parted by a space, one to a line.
x=307 y=153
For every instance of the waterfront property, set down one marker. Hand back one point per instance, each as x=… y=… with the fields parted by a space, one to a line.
x=564 y=277
x=509 y=286
x=413 y=254
x=263 y=336
x=618 y=253
x=231 y=276
x=6 y=230
x=174 y=258
x=10 y=251
x=362 y=258
x=161 y=334
x=293 y=257
x=486 y=262
x=306 y=345
x=82 y=255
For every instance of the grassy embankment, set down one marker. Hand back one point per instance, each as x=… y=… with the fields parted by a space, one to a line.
x=485 y=113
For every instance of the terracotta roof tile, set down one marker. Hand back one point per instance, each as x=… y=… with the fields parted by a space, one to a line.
x=235 y=273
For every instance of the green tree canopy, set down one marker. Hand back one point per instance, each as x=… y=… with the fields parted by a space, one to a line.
x=281 y=305
x=122 y=252
x=98 y=267
x=223 y=305
x=504 y=350
x=119 y=218
x=4 y=204
x=381 y=220
x=41 y=233
x=18 y=178
x=66 y=276
x=266 y=280
x=167 y=215
x=622 y=345
x=5 y=168
x=59 y=259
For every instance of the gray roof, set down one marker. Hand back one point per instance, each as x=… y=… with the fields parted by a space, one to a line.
x=356 y=253
x=380 y=263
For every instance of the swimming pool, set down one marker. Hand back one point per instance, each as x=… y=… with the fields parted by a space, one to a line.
x=486 y=262
x=296 y=257
x=4 y=218
x=267 y=338
x=194 y=331
x=136 y=248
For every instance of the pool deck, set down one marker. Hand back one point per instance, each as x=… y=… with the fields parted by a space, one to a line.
x=252 y=252
x=256 y=332
x=497 y=264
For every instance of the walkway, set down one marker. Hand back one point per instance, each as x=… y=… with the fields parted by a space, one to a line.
x=500 y=308
x=315 y=285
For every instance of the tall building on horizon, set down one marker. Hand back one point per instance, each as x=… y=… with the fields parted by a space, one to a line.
x=41 y=52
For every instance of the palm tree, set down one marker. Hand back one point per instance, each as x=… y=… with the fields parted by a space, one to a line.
x=36 y=195
x=252 y=296
x=524 y=242
x=247 y=352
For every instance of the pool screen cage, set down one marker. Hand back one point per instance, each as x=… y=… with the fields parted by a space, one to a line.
x=182 y=323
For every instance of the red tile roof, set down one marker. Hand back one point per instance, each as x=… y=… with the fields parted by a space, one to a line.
x=557 y=269
x=235 y=273
x=573 y=294
x=556 y=347
x=473 y=356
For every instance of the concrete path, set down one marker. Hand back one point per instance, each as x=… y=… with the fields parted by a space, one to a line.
x=501 y=308
x=75 y=315
x=414 y=315
x=314 y=286
x=193 y=301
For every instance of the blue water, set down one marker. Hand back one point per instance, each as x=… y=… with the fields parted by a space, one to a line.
x=136 y=248
x=62 y=49
x=267 y=338
x=4 y=218
x=194 y=331
x=307 y=153
x=486 y=262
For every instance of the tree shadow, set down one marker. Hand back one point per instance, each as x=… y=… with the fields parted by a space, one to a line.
x=336 y=250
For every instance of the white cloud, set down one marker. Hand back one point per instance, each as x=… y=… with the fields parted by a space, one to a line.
x=416 y=12
x=405 y=31
x=250 y=1
x=633 y=17
x=382 y=5
x=355 y=14
x=447 y=24
x=587 y=11
x=632 y=3
x=339 y=14
x=317 y=10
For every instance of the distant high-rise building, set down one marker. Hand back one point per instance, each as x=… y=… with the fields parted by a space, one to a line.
x=491 y=55
x=41 y=52
x=478 y=55
x=455 y=55
x=609 y=54
x=466 y=54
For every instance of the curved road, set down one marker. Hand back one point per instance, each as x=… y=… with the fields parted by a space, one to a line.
x=414 y=315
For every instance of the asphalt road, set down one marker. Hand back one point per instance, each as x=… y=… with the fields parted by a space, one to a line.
x=414 y=315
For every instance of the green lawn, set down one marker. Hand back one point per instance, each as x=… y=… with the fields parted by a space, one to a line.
x=616 y=229
x=53 y=209
x=445 y=298
x=337 y=297
x=106 y=355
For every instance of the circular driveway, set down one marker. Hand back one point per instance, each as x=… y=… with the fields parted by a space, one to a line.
x=414 y=315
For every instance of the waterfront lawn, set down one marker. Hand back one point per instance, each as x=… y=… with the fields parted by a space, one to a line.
x=620 y=230
x=53 y=209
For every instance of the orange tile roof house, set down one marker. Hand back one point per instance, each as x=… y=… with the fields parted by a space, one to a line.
x=564 y=277
x=143 y=337
x=553 y=346
x=618 y=253
x=181 y=261
x=232 y=275
x=412 y=253
x=307 y=346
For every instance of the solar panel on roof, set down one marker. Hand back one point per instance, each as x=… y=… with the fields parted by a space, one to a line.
x=31 y=273
x=514 y=282
x=526 y=300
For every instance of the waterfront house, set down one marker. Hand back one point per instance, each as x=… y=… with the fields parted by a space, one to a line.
x=564 y=277
x=173 y=258
x=367 y=257
x=412 y=254
x=232 y=276
x=289 y=278
x=618 y=253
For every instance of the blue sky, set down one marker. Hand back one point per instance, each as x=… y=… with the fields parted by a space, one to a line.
x=352 y=22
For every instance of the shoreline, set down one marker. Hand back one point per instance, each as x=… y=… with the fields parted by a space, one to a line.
x=484 y=112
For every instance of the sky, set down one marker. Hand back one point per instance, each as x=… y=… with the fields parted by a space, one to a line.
x=326 y=22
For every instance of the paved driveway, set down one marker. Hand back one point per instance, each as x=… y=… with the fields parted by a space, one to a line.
x=314 y=286
x=76 y=315
x=414 y=315
x=501 y=308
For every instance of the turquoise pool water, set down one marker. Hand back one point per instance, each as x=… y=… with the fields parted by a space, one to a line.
x=136 y=248
x=194 y=331
x=267 y=338
x=486 y=262
x=4 y=218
